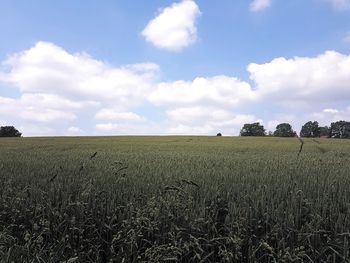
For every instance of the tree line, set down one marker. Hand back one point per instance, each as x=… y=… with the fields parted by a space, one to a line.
x=311 y=129
x=338 y=129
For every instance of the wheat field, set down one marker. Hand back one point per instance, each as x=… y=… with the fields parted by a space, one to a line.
x=174 y=199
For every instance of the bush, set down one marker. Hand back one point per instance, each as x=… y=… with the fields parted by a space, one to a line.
x=9 y=131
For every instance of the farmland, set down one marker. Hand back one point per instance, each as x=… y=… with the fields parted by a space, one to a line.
x=174 y=199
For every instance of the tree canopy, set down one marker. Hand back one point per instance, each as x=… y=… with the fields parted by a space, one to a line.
x=9 y=131
x=324 y=131
x=310 y=129
x=253 y=129
x=340 y=129
x=284 y=130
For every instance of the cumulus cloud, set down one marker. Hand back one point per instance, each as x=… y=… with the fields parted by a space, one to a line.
x=47 y=68
x=112 y=121
x=74 y=131
x=36 y=130
x=55 y=102
x=330 y=111
x=60 y=90
x=127 y=128
x=327 y=116
x=8 y=106
x=47 y=115
x=220 y=90
x=259 y=5
x=271 y=125
x=58 y=86
x=204 y=105
x=174 y=28
x=28 y=108
x=322 y=78
x=115 y=114
x=206 y=120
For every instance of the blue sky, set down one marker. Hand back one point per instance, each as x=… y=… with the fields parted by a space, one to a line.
x=172 y=67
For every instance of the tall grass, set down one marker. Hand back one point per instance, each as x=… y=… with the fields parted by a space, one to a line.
x=174 y=199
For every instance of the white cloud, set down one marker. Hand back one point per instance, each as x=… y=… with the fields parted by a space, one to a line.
x=203 y=105
x=143 y=67
x=271 y=125
x=126 y=128
x=175 y=27
x=330 y=111
x=206 y=120
x=55 y=102
x=57 y=88
x=47 y=68
x=220 y=90
x=74 y=131
x=36 y=130
x=8 y=107
x=312 y=80
x=108 y=127
x=327 y=116
x=114 y=114
x=36 y=107
x=303 y=88
x=340 y=4
x=258 y=5
x=47 y=115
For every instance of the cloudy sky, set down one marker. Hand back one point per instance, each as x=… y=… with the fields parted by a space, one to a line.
x=172 y=67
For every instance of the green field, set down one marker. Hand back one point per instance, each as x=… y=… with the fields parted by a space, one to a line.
x=174 y=199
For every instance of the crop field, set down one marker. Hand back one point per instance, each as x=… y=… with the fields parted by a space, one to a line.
x=174 y=199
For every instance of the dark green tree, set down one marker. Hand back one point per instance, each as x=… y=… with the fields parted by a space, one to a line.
x=324 y=131
x=340 y=129
x=284 y=130
x=253 y=129
x=9 y=131
x=310 y=129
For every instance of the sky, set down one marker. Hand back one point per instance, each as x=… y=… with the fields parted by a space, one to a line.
x=178 y=67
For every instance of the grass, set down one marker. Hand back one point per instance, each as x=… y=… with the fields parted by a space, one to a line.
x=174 y=199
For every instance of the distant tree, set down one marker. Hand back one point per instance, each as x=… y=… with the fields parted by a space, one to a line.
x=340 y=129
x=219 y=134
x=284 y=130
x=253 y=129
x=270 y=134
x=9 y=131
x=310 y=129
x=324 y=131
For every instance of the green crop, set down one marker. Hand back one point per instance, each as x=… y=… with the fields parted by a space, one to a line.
x=174 y=199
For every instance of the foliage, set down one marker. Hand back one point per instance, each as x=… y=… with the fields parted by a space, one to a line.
x=9 y=131
x=340 y=129
x=324 y=131
x=284 y=130
x=253 y=129
x=174 y=199
x=310 y=129
x=219 y=134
